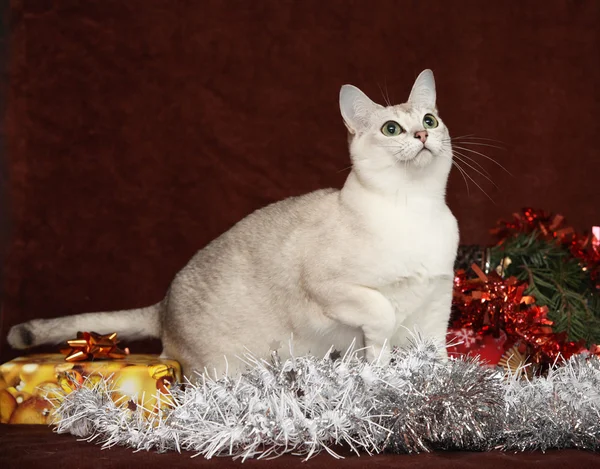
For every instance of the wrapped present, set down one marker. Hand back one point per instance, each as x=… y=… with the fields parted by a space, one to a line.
x=488 y=348
x=28 y=385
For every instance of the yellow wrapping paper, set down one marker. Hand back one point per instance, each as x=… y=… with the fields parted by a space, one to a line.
x=26 y=383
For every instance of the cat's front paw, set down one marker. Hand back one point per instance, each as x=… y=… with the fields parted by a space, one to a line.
x=378 y=355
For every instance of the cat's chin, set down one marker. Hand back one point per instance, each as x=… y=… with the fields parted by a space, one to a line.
x=422 y=159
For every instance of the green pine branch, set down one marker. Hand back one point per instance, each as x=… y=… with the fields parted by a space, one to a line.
x=556 y=280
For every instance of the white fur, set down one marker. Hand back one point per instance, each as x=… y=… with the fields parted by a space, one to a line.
x=368 y=263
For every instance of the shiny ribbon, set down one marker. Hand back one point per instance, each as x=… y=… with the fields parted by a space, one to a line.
x=93 y=346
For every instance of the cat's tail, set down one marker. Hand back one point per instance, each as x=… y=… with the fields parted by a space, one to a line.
x=128 y=324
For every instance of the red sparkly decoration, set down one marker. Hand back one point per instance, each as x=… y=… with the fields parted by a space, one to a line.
x=548 y=224
x=489 y=305
x=491 y=314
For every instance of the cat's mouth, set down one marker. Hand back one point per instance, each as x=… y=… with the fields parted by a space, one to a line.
x=423 y=157
x=420 y=158
x=421 y=152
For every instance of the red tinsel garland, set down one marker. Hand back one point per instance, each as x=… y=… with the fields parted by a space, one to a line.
x=491 y=310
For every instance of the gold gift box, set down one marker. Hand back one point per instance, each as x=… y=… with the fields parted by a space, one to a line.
x=28 y=384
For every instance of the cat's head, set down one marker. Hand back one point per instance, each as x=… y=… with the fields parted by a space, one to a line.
x=395 y=144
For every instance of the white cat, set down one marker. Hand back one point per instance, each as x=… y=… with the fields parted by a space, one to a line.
x=370 y=262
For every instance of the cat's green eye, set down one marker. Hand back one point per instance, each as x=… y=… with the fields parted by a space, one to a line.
x=391 y=129
x=430 y=122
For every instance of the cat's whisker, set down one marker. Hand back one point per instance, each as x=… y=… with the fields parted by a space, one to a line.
x=472 y=160
x=345 y=169
x=465 y=173
x=485 y=156
x=500 y=144
x=387 y=93
x=352 y=165
x=462 y=136
x=474 y=169
x=480 y=188
x=462 y=173
x=400 y=148
x=473 y=140
x=479 y=143
x=386 y=97
x=475 y=137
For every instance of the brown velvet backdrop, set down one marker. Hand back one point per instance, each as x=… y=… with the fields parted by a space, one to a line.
x=138 y=130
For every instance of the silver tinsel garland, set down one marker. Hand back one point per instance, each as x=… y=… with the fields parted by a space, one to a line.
x=307 y=405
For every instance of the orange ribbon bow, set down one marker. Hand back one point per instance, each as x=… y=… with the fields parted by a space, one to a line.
x=92 y=346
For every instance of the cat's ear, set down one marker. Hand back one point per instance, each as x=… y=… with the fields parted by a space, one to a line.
x=423 y=91
x=356 y=108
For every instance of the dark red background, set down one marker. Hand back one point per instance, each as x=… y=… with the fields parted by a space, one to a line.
x=138 y=131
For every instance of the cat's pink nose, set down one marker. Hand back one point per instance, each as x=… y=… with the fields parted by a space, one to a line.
x=421 y=135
